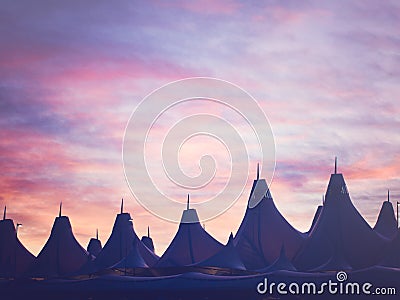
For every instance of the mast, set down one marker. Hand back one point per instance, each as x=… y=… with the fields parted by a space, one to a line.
x=97 y=233
x=335 y=164
x=258 y=171
x=5 y=212
x=59 y=212
x=122 y=205
x=148 y=231
x=188 y=202
x=388 y=198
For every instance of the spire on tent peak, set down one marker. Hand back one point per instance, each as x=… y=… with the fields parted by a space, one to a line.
x=122 y=205
x=258 y=171
x=147 y=240
x=97 y=233
x=335 y=165
x=386 y=224
x=5 y=212
x=188 y=202
x=59 y=212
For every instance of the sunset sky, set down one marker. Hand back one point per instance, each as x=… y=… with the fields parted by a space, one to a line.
x=326 y=73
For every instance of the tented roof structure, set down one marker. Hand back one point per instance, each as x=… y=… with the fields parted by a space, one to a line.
x=392 y=254
x=62 y=254
x=315 y=219
x=120 y=243
x=264 y=230
x=386 y=224
x=133 y=260
x=281 y=263
x=14 y=257
x=227 y=258
x=336 y=262
x=94 y=247
x=191 y=243
x=340 y=227
x=147 y=240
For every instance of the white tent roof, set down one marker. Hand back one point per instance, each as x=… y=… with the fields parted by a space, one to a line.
x=264 y=230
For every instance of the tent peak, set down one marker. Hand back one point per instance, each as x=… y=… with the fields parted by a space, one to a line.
x=190 y=216
x=259 y=191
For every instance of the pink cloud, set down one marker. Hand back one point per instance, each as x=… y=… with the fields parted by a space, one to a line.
x=225 y=7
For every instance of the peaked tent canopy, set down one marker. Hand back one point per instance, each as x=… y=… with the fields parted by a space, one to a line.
x=147 y=240
x=133 y=260
x=281 y=263
x=386 y=224
x=227 y=258
x=62 y=254
x=14 y=257
x=392 y=254
x=120 y=243
x=264 y=230
x=94 y=247
x=315 y=219
x=340 y=227
x=191 y=243
x=335 y=263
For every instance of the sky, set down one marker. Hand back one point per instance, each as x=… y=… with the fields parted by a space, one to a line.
x=326 y=74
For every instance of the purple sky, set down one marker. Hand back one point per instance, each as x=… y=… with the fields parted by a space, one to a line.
x=326 y=74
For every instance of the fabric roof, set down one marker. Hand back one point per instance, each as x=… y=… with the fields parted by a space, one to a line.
x=228 y=257
x=191 y=243
x=340 y=227
x=14 y=257
x=133 y=260
x=120 y=243
x=386 y=224
x=264 y=230
x=315 y=218
x=281 y=263
x=62 y=254
x=94 y=247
